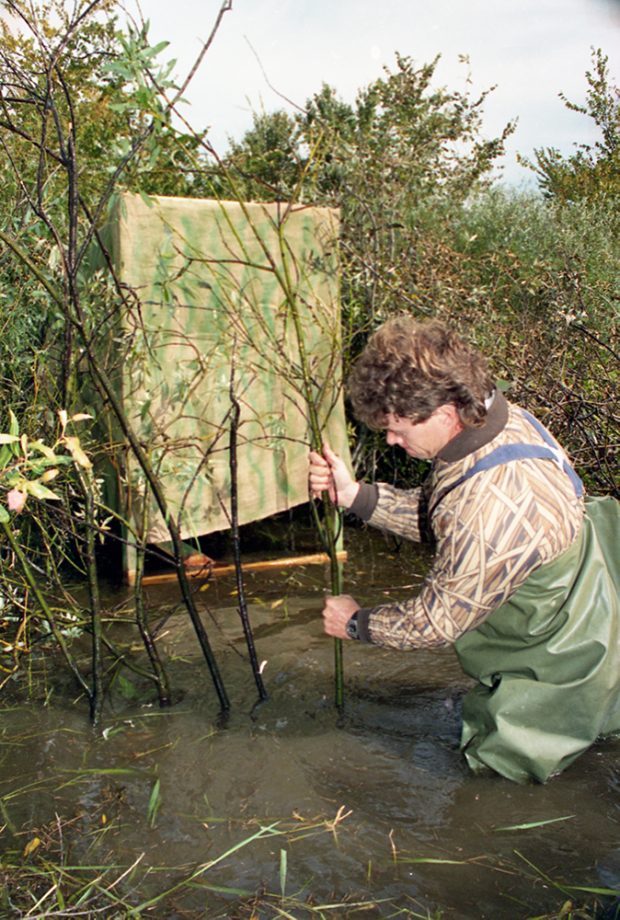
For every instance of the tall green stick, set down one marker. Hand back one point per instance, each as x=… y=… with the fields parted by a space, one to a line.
x=330 y=527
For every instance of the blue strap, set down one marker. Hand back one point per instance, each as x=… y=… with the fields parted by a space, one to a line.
x=559 y=455
x=509 y=452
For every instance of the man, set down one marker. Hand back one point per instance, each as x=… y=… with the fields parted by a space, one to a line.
x=526 y=576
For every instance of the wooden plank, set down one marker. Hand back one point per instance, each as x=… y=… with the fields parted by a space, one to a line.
x=216 y=570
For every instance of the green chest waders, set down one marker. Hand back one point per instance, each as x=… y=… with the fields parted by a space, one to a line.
x=547 y=661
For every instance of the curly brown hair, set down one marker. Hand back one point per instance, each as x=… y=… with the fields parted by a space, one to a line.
x=410 y=368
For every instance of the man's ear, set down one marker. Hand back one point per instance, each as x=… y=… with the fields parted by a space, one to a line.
x=450 y=417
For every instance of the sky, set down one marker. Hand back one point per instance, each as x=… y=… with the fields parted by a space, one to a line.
x=530 y=50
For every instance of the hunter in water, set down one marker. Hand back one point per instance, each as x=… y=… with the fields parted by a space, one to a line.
x=526 y=574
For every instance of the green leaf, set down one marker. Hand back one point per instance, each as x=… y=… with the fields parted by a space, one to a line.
x=126 y=688
x=154 y=803
x=5 y=517
x=531 y=824
x=14 y=426
x=156 y=49
x=42 y=449
x=612 y=892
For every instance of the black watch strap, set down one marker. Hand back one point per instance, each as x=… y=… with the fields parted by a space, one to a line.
x=351 y=628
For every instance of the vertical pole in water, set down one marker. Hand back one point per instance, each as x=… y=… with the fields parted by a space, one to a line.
x=330 y=528
x=336 y=578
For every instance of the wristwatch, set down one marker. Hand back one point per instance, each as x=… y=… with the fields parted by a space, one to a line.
x=351 y=628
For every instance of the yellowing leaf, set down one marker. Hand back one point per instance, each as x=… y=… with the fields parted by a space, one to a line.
x=48 y=475
x=80 y=417
x=277 y=603
x=73 y=446
x=31 y=846
x=8 y=438
x=40 y=491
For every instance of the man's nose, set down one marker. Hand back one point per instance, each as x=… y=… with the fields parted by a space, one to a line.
x=391 y=438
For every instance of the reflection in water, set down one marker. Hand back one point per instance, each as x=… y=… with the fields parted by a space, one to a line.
x=389 y=767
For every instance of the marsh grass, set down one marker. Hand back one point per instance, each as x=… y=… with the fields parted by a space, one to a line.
x=40 y=878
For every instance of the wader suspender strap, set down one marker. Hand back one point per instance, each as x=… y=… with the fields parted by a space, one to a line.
x=509 y=452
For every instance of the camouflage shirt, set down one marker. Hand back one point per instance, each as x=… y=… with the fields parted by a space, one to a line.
x=491 y=531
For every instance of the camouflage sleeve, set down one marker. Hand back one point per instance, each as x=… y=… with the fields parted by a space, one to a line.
x=483 y=555
x=398 y=511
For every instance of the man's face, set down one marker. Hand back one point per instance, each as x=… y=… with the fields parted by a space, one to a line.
x=423 y=440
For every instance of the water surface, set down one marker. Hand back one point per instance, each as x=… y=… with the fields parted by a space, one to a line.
x=356 y=800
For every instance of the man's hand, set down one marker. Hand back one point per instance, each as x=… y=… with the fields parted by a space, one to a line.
x=337 y=612
x=328 y=473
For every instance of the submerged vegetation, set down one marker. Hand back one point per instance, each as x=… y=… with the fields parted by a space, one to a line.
x=87 y=109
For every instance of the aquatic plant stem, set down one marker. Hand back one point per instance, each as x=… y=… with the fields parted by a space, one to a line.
x=85 y=478
x=236 y=541
x=159 y=673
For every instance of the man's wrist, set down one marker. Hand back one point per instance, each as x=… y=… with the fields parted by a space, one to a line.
x=351 y=628
x=347 y=496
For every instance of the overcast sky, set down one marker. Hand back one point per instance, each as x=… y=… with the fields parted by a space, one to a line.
x=530 y=49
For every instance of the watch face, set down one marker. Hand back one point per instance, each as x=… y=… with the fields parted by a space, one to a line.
x=351 y=628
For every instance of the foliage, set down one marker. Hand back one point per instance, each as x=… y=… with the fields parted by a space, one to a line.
x=536 y=284
x=593 y=171
x=84 y=109
x=399 y=164
x=28 y=467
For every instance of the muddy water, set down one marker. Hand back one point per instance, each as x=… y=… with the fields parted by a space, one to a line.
x=355 y=801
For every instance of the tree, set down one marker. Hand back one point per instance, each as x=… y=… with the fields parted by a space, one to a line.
x=74 y=87
x=84 y=109
x=593 y=171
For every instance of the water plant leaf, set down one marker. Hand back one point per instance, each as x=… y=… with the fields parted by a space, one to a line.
x=154 y=803
x=433 y=860
x=261 y=833
x=612 y=892
x=109 y=771
x=125 y=687
x=283 y=859
x=530 y=824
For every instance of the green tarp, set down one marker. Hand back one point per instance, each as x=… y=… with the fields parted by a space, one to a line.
x=213 y=291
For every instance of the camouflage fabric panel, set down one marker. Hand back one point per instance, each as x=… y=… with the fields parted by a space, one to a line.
x=216 y=288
